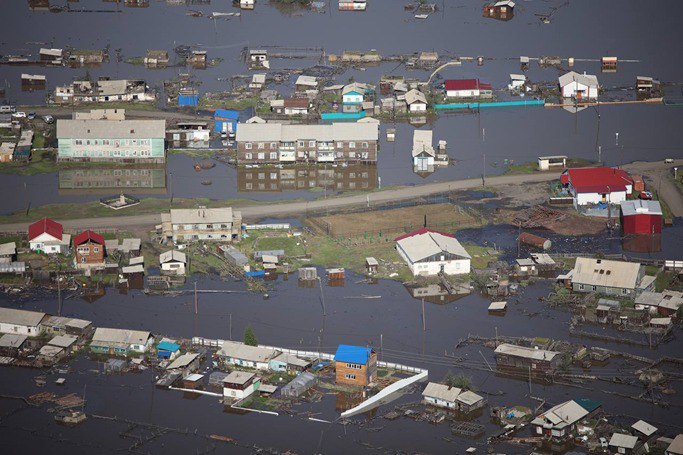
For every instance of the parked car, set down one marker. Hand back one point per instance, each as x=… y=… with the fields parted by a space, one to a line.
x=48 y=119
x=668 y=160
x=603 y=443
x=31 y=115
x=19 y=114
x=645 y=195
x=7 y=109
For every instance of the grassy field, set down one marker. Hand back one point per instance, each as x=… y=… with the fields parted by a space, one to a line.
x=481 y=255
x=532 y=166
x=293 y=246
x=233 y=104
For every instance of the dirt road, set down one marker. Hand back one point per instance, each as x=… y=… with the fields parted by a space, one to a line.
x=655 y=171
x=660 y=177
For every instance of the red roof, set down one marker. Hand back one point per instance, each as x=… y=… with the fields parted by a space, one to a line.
x=597 y=179
x=421 y=231
x=466 y=84
x=45 y=226
x=88 y=235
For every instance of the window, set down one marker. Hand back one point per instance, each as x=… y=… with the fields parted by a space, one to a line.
x=340 y=145
x=354 y=366
x=301 y=143
x=595 y=288
x=273 y=155
x=261 y=156
x=273 y=145
x=311 y=143
x=261 y=145
x=96 y=249
x=352 y=145
x=581 y=287
x=352 y=154
x=247 y=145
x=365 y=145
x=624 y=291
x=79 y=142
x=350 y=376
x=247 y=156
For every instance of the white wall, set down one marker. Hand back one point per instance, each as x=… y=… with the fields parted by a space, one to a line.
x=418 y=107
x=462 y=93
x=593 y=198
x=240 y=394
x=570 y=90
x=19 y=329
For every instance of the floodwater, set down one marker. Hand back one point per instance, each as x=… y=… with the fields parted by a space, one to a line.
x=293 y=317
x=480 y=143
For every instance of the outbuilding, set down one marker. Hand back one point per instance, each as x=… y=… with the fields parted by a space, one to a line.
x=173 y=262
x=428 y=252
x=225 y=122
x=240 y=384
x=641 y=217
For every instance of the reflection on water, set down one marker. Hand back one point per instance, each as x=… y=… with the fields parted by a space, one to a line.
x=642 y=243
x=103 y=180
x=276 y=179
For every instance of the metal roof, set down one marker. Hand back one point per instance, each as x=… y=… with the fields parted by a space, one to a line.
x=21 y=317
x=123 y=336
x=242 y=351
x=194 y=377
x=523 y=351
x=589 y=80
x=602 y=272
x=441 y=392
x=307 y=80
x=290 y=359
x=238 y=377
x=12 y=340
x=644 y=427
x=415 y=96
x=221 y=215
x=352 y=354
x=371 y=261
x=50 y=351
x=623 y=440
x=8 y=248
x=468 y=397
x=640 y=207
x=422 y=142
x=168 y=346
x=183 y=361
x=63 y=341
x=424 y=244
x=562 y=415
x=111 y=129
x=172 y=256
x=277 y=132
x=498 y=306
x=677 y=445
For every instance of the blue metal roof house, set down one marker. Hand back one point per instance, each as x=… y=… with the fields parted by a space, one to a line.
x=167 y=350
x=225 y=121
x=188 y=100
x=355 y=365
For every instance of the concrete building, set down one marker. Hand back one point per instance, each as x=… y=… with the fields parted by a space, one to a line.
x=596 y=185
x=428 y=252
x=21 y=322
x=355 y=365
x=47 y=236
x=276 y=143
x=106 y=91
x=579 y=86
x=120 y=341
x=126 y=141
x=187 y=225
x=243 y=355
x=609 y=277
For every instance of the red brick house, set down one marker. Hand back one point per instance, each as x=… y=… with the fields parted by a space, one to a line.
x=89 y=247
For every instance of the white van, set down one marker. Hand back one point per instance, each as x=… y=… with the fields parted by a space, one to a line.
x=6 y=109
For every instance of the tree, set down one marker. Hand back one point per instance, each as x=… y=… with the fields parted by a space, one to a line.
x=459 y=380
x=249 y=337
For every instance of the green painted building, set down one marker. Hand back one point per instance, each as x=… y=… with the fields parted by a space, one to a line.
x=125 y=141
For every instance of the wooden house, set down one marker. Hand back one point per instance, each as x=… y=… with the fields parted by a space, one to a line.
x=355 y=365
x=538 y=361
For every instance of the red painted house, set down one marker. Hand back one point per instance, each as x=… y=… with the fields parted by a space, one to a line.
x=641 y=217
x=467 y=88
x=89 y=249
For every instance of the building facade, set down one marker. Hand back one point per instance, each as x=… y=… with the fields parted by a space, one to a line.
x=355 y=365
x=273 y=143
x=126 y=141
x=217 y=224
x=89 y=248
x=428 y=252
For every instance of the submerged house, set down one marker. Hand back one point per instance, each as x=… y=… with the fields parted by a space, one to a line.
x=453 y=398
x=579 y=86
x=355 y=365
x=537 y=361
x=559 y=422
x=243 y=355
x=240 y=384
x=120 y=341
x=428 y=252
x=467 y=88
x=21 y=322
x=503 y=10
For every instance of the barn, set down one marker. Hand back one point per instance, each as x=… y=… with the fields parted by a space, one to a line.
x=641 y=217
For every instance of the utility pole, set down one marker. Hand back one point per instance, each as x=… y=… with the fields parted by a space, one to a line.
x=424 y=320
x=59 y=297
x=230 y=326
x=196 y=309
x=599 y=153
x=322 y=296
x=381 y=346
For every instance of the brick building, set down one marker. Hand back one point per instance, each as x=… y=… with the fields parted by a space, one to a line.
x=355 y=365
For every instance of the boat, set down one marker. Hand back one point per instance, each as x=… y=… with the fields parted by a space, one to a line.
x=70 y=417
x=194 y=13
x=206 y=182
x=421 y=16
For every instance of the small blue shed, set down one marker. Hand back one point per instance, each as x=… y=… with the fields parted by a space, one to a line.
x=225 y=121
x=188 y=100
x=166 y=349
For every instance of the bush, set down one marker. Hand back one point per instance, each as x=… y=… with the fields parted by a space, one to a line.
x=249 y=337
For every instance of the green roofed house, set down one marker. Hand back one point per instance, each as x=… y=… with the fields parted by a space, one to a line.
x=117 y=140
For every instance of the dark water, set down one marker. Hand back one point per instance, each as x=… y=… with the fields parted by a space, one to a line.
x=293 y=317
x=519 y=135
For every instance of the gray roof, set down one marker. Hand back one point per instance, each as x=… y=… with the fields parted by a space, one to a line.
x=562 y=415
x=12 y=340
x=640 y=206
x=585 y=79
x=421 y=246
x=277 y=132
x=498 y=306
x=441 y=392
x=242 y=351
x=128 y=245
x=307 y=80
x=602 y=272
x=182 y=361
x=8 y=248
x=50 y=351
x=529 y=353
x=238 y=377
x=222 y=215
x=123 y=336
x=542 y=258
x=78 y=323
x=677 y=445
x=290 y=359
x=62 y=341
x=422 y=142
x=111 y=129
x=21 y=317
x=172 y=256
x=623 y=440
x=468 y=397
x=133 y=269
x=415 y=96
x=644 y=427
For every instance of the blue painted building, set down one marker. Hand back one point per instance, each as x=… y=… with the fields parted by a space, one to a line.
x=188 y=99
x=225 y=121
x=167 y=350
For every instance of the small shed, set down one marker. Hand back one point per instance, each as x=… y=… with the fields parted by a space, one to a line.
x=192 y=381
x=269 y=259
x=336 y=274
x=371 y=264
x=234 y=256
x=308 y=274
x=167 y=350
x=299 y=385
x=173 y=262
x=545 y=163
x=498 y=307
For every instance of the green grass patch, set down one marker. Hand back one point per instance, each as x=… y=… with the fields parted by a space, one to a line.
x=234 y=104
x=193 y=153
x=663 y=281
x=293 y=246
x=481 y=255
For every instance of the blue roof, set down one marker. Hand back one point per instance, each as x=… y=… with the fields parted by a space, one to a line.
x=352 y=354
x=352 y=92
x=588 y=404
x=224 y=113
x=168 y=346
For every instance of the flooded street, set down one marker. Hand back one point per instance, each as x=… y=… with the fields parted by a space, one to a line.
x=480 y=143
x=292 y=317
